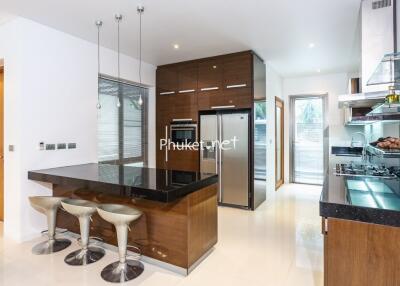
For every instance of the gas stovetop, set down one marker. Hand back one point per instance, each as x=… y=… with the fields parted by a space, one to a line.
x=367 y=171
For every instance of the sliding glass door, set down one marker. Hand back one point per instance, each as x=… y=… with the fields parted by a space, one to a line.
x=307 y=139
x=122 y=128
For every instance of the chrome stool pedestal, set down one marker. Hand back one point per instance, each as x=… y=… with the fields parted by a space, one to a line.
x=49 y=205
x=82 y=209
x=124 y=269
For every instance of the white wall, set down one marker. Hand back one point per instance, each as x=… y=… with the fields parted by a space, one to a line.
x=51 y=96
x=333 y=85
x=274 y=89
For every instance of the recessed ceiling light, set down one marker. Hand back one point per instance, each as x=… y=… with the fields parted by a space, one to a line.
x=176 y=46
x=311 y=45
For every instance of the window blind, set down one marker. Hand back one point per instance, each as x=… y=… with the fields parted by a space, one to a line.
x=122 y=131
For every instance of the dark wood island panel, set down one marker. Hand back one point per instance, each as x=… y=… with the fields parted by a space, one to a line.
x=178 y=232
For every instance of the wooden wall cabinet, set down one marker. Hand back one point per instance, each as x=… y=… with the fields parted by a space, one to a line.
x=184 y=89
x=360 y=254
x=167 y=80
x=238 y=70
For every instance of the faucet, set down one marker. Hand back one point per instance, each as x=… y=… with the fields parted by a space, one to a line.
x=364 y=156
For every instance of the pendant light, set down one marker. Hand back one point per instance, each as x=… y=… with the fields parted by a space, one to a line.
x=98 y=23
x=118 y=18
x=140 y=10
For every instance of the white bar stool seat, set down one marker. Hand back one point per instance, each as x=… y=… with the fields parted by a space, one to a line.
x=49 y=205
x=82 y=209
x=121 y=216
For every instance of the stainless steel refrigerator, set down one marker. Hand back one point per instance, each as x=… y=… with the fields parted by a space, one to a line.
x=232 y=164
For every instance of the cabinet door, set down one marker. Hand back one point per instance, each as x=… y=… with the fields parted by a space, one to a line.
x=238 y=98
x=361 y=254
x=184 y=106
x=237 y=71
x=163 y=119
x=210 y=75
x=187 y=77
x=167 y=80
x=183 y=160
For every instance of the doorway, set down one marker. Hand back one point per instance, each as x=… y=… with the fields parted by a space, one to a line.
x=1 y=143
x=279 y=142
x=307 y=124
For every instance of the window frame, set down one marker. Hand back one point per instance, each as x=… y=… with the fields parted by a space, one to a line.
x=121 y=160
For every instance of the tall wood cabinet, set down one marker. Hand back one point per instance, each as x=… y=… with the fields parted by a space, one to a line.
x=187 y=88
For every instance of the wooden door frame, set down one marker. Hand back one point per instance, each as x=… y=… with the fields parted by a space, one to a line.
x=2 y=138
x=279 y=103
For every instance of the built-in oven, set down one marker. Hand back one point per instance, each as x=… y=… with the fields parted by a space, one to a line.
x=183 y=132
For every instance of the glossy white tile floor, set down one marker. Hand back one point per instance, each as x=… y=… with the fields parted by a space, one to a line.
x=279 y=244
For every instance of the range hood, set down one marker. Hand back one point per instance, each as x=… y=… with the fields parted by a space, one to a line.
x=366 y=99
x=378 y=38
x=387 y=72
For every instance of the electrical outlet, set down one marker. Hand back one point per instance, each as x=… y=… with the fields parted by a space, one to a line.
x=61 y=146
x=50 y=146
x=71 y=145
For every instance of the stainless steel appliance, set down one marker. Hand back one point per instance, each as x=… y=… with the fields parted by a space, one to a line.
x=230 y=163
x=183 y=132
x=367 y=171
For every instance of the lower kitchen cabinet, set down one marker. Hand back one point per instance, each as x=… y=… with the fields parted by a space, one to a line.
x=183 y=160
x=360 y=254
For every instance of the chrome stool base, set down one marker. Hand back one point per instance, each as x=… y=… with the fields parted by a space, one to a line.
x=84 y=256
x=51 y=246
x=121 y=272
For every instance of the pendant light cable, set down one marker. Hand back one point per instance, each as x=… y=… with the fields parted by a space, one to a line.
x=140 y=10
x=118 y=18
x=99 y=23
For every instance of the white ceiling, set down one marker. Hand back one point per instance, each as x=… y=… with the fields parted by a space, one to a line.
x=278 y=30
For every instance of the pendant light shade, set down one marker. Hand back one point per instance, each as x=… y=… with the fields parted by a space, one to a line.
x=98 y=23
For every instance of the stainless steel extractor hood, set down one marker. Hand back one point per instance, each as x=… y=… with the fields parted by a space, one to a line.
x=387 y=72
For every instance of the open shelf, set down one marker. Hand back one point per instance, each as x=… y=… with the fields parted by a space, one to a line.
x=385 y=153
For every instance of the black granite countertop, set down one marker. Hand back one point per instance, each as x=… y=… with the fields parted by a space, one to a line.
x=371 y=200
x=148 y=183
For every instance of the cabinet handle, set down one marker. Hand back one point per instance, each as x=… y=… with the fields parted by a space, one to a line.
x=182 y=119
x=187 y=90
x=223 y=106
x=324 y=229
x=167 y=92
x=209 y=88
x=236 y=85
x=166 y=147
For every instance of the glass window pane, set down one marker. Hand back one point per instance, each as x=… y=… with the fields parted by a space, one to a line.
x=308 y=141
x=107 y=130
x=121 y=127
x=260 y=140
x=278 y=144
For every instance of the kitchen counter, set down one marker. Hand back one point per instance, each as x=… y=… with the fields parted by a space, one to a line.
x=370 y=200
x=179 y=225
x=148 y=183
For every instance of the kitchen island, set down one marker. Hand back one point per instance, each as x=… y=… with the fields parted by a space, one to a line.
x=361 y=228
x=179 y=222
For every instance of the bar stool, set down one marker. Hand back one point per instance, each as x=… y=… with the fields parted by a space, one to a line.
x=82 y=209
x=124 y=269
x=49 y=205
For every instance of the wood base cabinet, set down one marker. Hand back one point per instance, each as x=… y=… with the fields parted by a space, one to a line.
x=360 y=254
